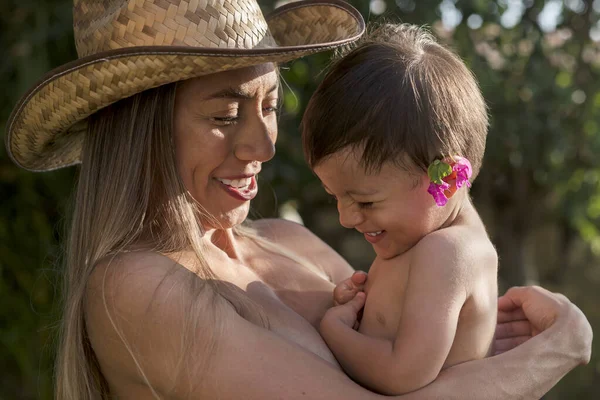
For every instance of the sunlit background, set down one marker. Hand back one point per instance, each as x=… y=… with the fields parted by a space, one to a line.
x=538 y=64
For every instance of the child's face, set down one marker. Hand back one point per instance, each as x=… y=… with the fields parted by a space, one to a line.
x=391 y=208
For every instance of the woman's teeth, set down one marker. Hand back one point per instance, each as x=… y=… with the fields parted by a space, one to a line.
x=236 y=183
x=373 y=233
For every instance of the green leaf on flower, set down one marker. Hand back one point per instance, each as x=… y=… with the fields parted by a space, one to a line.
x=438 y=170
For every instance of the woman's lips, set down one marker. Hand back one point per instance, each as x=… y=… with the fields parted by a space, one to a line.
x=244 y=193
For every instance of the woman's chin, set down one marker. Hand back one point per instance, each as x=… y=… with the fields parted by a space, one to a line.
x=227 y=219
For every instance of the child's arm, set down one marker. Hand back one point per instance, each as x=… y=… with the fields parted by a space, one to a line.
x=435 y=294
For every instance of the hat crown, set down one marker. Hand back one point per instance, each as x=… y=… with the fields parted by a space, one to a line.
x=102 y=25
x=128 y=46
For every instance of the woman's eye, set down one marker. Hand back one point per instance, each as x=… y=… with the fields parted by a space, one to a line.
x=271 y=109
x=365 y=205
x=225 y=120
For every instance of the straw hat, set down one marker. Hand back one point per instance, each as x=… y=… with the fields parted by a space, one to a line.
x=128 y=46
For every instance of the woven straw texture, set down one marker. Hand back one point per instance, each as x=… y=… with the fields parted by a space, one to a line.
x=126 y=47
x=115 y=24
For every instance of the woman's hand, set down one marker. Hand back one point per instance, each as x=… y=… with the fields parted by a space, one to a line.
x=513 y=328
x=524 y=312
x=347 y=289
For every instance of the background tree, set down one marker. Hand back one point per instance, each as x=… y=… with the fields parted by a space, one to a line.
x=538 y=64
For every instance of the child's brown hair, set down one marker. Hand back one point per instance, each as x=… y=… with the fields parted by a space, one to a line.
x=397 y=96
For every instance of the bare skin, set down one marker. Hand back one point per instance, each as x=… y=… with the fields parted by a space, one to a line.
x=431 y=294
x=147 y=295
x=428 y=309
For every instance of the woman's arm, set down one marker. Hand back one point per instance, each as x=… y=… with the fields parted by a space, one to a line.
x=231 y=358
x=257 y=364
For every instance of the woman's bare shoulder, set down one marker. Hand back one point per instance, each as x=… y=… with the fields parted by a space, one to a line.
x=142 y=303
x=138 y=281
x=139 y=274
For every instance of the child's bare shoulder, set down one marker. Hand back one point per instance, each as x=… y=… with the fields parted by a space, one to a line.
x=459 y=246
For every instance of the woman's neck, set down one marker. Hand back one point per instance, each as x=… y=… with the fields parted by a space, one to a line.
x=224 y=240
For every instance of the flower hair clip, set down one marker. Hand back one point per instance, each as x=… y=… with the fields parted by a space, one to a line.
x=440 y=172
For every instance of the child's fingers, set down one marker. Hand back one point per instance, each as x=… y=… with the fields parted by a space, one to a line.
x=343 y=293
x=347 y=313
x=359 y=278
x=347 y=289
x=357 y=303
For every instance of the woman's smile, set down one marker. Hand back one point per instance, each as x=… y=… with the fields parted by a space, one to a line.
x=244 y=188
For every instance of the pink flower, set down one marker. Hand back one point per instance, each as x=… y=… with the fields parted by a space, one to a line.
x=437 y=191
x=463 y=170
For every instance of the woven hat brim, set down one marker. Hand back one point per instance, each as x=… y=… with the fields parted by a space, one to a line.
x=46 y=129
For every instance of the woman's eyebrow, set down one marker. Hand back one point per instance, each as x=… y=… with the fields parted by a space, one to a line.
x=236 y=93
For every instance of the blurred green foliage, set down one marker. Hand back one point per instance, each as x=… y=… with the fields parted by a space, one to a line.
x=538 y=64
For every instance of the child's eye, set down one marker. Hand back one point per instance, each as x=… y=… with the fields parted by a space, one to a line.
x=365 y=205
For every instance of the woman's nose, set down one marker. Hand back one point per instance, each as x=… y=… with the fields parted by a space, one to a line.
x=256 y=140
x=349 y=217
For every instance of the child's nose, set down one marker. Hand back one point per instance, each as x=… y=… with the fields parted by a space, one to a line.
x=349 y=218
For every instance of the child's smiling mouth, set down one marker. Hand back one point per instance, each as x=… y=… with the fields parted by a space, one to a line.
x=374 y=237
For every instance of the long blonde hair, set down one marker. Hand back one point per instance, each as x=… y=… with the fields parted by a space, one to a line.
x=129 y=193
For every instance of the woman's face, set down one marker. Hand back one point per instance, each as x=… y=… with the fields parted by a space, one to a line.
x=225 y=127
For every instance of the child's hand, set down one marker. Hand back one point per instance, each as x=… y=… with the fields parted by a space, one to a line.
x=348 y=288
x=346 y=313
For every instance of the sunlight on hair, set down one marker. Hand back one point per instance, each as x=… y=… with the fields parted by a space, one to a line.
x=290 y=100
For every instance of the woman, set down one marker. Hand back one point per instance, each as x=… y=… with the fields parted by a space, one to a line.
x=168 y=295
